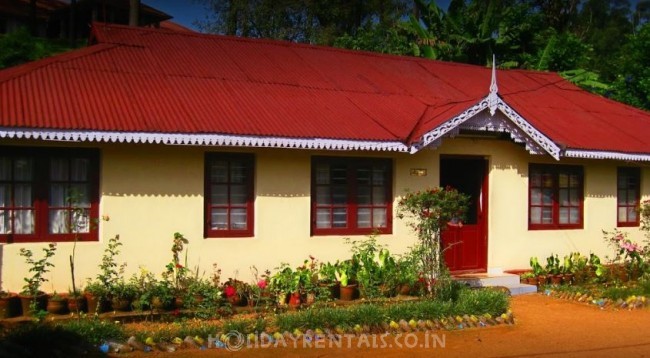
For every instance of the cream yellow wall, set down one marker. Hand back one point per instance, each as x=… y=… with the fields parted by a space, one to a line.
x=151 y=191
x=510 y=243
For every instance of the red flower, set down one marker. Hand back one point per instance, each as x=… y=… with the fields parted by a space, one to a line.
x=179 y=266
x=230 y=291
x=262 y=284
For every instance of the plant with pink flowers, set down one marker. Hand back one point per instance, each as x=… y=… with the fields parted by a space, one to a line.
x=628 y=252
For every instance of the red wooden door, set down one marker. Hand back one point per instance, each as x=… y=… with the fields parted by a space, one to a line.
x=466 y=247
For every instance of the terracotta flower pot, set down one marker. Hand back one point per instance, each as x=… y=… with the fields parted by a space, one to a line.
x=160 y=304
x=121 y=304
x=57 y=306
x=532 y=281
x=77 y=304
x=556 y=279
x=97 y=304
x=295 y=300
x=405 y=289
x=348 y=292
x=26 y=301
x=9 y=306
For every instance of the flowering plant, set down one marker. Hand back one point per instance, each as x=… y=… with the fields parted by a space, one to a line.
x=430 y=212
x=175 y=271
x=627 y=252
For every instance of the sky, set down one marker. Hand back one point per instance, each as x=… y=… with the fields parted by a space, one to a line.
x=186 y=12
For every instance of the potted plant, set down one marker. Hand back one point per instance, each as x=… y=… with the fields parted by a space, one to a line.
x=538 y=271
x=96 y=294
x=554 y=270
x=162 y=295
x=579 y=267
x=76 y=301
x=31 y=298
x=567 y=270
x=327 y=278
x=285 y=282
x=528 y=278
x=345 y=276
x=407 y=272
x=57 y=304
x=8 y=304
x=122 y=295
x=258 y=291
x=235 y=292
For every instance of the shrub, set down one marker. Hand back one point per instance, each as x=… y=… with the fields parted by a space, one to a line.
x=40 y=340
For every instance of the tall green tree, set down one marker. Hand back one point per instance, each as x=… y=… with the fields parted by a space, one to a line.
x=19 y=46
x=314 y=21
x=632 y=85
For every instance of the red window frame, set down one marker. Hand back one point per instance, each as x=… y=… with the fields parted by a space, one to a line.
x=628 y=195
x=230 y=159
x=41 y=186
x=555 y=188
x=350 y=190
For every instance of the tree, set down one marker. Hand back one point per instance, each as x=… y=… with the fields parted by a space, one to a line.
x=19 y=46
x=313 y=21
x=377 y=38
x=632 y=84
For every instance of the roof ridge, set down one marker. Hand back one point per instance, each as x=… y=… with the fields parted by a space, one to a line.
x=283 y=43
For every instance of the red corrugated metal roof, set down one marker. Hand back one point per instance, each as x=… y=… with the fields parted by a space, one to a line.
x=162 y=81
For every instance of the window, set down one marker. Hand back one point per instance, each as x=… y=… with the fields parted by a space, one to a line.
x=351 y=196
x=229 y=195
x=627 y=202
x=555 y=197
x=48 y=194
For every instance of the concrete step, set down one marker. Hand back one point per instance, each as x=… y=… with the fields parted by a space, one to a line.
x=509 y=281
x=521 y=289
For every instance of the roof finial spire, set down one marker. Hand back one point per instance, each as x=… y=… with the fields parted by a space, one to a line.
x=493 y=97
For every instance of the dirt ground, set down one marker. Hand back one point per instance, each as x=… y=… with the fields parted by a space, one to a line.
x=545 y=327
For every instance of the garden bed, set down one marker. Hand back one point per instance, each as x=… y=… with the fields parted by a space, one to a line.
x=470 y=308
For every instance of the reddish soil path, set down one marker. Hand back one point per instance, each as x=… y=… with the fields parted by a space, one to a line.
x=545 y=327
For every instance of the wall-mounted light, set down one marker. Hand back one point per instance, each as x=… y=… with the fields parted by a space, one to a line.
x=418 y=172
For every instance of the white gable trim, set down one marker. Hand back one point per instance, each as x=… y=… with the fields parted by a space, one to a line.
x=543 y=141
x=202 y=139
x=434 y=136
x=596 y=154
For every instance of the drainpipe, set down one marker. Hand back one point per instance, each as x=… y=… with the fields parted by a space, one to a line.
x=134 y=12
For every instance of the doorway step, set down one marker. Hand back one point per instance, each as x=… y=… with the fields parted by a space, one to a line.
x=506 y=280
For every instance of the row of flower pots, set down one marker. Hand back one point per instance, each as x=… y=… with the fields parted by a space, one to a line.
x=14 y=305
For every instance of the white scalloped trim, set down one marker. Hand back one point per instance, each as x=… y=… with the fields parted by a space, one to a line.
x=596 y=154
x=535 y=139
x=201 y=139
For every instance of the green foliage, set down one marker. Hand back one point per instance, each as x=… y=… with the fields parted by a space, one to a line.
x=38 y=268
x=470 y=302
x=93 y=330
x=374 y=267
x=632 y=84
x=109 y=274
x=317 y=21
x=376 y=38
x=44 y=340
x=430 y=211
x=19 y=46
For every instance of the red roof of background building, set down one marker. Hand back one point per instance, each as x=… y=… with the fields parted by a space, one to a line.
x=163 y=81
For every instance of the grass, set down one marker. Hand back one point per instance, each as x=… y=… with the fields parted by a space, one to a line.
x=470 y=302
x=90 y=332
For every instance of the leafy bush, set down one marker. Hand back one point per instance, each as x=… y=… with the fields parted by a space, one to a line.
x=470 y=302
x=40 y=340
x=94 y=331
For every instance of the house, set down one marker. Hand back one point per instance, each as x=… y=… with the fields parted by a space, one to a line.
x=262 y=152
x=52 y=17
